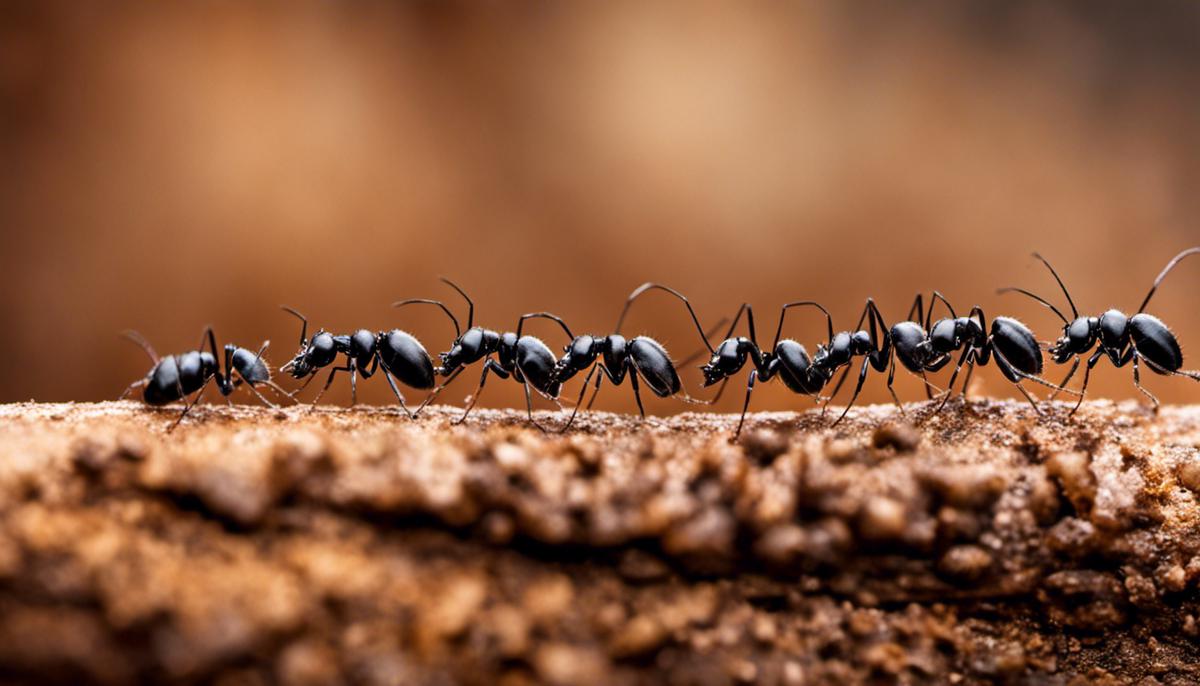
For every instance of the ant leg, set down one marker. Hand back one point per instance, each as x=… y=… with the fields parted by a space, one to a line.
x=837 y=387
x=595 y=393
x=745 y=404
x=304 y=385
x=434 y=393
x=1138 y=382
x=489 y=365
x=953 y=377
x=277 y=389
x=329 y=381
x=187 y=408
x=711 y=401
x=579 y=401
x=353 y=382
x=637 y=395
x=967 y=381
x=529 y=408
x=261 y=397
x=1067 y=378
x=862 y=376
x=1032 y=377
x=1028 y=397
x=891 y=378
x=399 y=398
x=1087 y=373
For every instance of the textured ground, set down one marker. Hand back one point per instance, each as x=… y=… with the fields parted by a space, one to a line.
x=250 y=547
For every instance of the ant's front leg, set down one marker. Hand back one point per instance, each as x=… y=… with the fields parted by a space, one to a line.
x=489 y=365
x=329 y=381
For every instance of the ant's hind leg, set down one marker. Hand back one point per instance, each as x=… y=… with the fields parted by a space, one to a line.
x=1137 y=381
x=1028 y=397
x=1062 y=384
x=399 y=398
x=276 y=388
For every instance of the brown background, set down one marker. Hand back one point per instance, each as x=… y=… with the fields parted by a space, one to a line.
x=163 y=167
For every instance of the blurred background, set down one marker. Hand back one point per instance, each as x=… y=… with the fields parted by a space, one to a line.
x=166 y=165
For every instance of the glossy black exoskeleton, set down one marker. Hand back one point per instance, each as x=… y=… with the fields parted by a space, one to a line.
x=525 y=358
x=619 y=358
x=175 y=377
x=1140 y=338
x=399 y=353
x=1017 y=353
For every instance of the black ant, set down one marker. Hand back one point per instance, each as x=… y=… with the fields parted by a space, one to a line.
x=790 y=360
x=526 y=358
x=1142 y=337
x=175 y=377
x=399 y=353
x=1018 y=355
x=640 y=356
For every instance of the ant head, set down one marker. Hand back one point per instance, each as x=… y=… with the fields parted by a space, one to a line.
x=475 y=343
x=319 y=351
x=726 y=361
x=578 y=355
x=1078 y=337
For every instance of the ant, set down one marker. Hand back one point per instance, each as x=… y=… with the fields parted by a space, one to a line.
x=1018 y=355
x=1142 y=337
x=526 y=359
x=399 y=353
x=175 y=377
x=640 y=356
x=790 y=360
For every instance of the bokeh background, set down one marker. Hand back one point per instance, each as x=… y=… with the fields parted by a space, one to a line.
x=168 y=165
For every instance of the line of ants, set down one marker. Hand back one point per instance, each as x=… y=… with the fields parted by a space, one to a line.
x=919 y=344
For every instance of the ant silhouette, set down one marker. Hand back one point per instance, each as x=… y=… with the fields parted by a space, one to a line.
x=1140 y=338
x=175 y=377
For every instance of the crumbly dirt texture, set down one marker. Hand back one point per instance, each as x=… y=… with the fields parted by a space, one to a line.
x=980 y=545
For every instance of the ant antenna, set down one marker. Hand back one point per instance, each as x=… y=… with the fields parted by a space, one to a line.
x=801 y=303
x=544 y=315
x=939 y=296
x=136 y=338
x=1022 y=291
x=651 y=286
x=439 y=303
x=1166 y=270
x=1074 y=312
x=470 y=303
x=303 y=325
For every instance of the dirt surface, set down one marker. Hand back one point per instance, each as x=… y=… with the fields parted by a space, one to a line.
x=981 y=545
